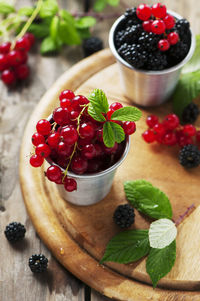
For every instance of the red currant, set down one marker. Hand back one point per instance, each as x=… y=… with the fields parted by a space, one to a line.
x=152 y=120
x=189 y=130
x=64 y=149
x=65 y=103
x=198 y=136
x=36 y=161
x=37 y=139
x=61 y=116
x=148 y=136
x=22 y=44
x=22 y=71
x=171 y=122
x=82 y=100
x=66 y=94
x=79 y=165
x=70 y=184
x=73 y=115
x=169 y=21
x=54 y=173
x=111 y=150
x=87 y=130
x=116 y=106
x=69 y=134
x=30 y=37
x=143 y=12
x=14 y=58
x=5 y=47
x=129 y=127
x=158 y=27
x=62 y=161
x=3 y=62
x=109 y=113
x=93 y=165
x=99 y=135
x=8 y=77
x=159 y=129
x=159 y=10
x=53 y=139
x=88 y=151
x=170 y=139
x=184 y=140
x=98 y=150
x=147 y=25
x=43 y=127
x=43 y=150
x=173 y=38
x=24 y=56
x=163 y=45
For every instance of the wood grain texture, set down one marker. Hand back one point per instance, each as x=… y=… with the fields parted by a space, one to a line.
x=51 y=212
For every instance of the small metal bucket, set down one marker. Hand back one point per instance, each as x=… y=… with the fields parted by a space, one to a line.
x=148 y=88
x=91 y=188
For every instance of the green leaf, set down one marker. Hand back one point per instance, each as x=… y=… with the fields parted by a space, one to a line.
x=99 y=5
x=84 y=33
x=85 y=22
x=118 y=131
x=26 y=11
x=95 y=114
x=65 y=15
x=161 y=233
x=49 y=46
x=6 y=8
x=68 y=33
x=54 y=26
x=108 y=135
x=113 y=2
x=48 y=9
x=127 y=114
x=194 y=62
x=187 y=89
x=127 y=246
x=160 y=262
x=148 y=200
x=40 y=30
x=99 y=100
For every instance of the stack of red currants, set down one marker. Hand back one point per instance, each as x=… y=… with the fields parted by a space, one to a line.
x=13 y=61
x=73 y=140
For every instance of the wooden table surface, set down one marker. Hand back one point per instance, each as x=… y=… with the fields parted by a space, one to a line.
x=17 y=283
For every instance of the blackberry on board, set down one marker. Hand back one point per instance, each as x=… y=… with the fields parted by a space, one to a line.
x=15 y=231
x=124 y=216
x=189 y=156
x=92 y=45
x=38 y=263
x=190 y=113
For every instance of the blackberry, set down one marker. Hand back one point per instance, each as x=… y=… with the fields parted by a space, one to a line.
x=119 y=38
x=183 y=27
x=92 y=45
x=156 y=61
x=132 y=33
x=130 y=15
x=190 y=113
x=135 y=57
x=15 y=231
x=38 y=263
x=149 y=40
x=124 y=216
x=189 y=156
x=178 y=51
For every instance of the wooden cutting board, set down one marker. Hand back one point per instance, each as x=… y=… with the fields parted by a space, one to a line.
x=77 y=235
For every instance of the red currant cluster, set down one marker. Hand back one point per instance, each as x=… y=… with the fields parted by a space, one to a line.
x=73 y=140
x=170 y=132
x=13 y=61
x=155 y=19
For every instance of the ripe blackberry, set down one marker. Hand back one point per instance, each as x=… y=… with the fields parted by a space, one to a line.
x=15 y=231
x=149 y=40
x=132 y=33
x=183 y=27
x=178 y=51
x=124 y=216
x=135 y=57
x=156 y=61
x=92 y=45
x=130 y=15
x=189 y=156
x=190 y=113
x=38 y=263
x=119 y=38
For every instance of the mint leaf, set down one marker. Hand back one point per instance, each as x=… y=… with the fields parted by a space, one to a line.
x=48 y=46
x=84 y=33
x=99 y=5
x=148 y=200
x=129 y=185
x=39 y=30
x=127 y=114
x=187 y=89
x=108 y=135
x=127 y=246
x=67 y=16
x=99 y=100
x=68 y=33
x=161 y=233
x=54 y=26
x=6 y=8
x=48 y=9
x=96 y=114
x=113 y=2
x=160 y=262
x=25 y=11
x=85 y=22
x=118 y=131
x=194 y=62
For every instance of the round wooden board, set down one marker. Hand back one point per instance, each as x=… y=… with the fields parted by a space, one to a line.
x=77 y=236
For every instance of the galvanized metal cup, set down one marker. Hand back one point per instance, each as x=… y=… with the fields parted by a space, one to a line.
x=148 y=88
x=91 y=188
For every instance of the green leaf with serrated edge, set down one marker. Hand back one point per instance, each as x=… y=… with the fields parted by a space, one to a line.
x=48 y=9
x=99 y=100
x=6 y=8
x=68 y=33
x=149 y=200
x=127 y=114
x=54 y=26
x=161 y=233
x=194 y=63
x=95 y=114
x=113 y=2
x=67 y=16
x=99 y=5
x=187 y=89
x=39 y=30
x=118 y=131
x=49 y=46
x=160 y=262
x=85 y=22
x=127 y=246
x=108 y=135
x=25 y=11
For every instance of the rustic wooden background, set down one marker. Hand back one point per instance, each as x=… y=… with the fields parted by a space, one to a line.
x=17 y=283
